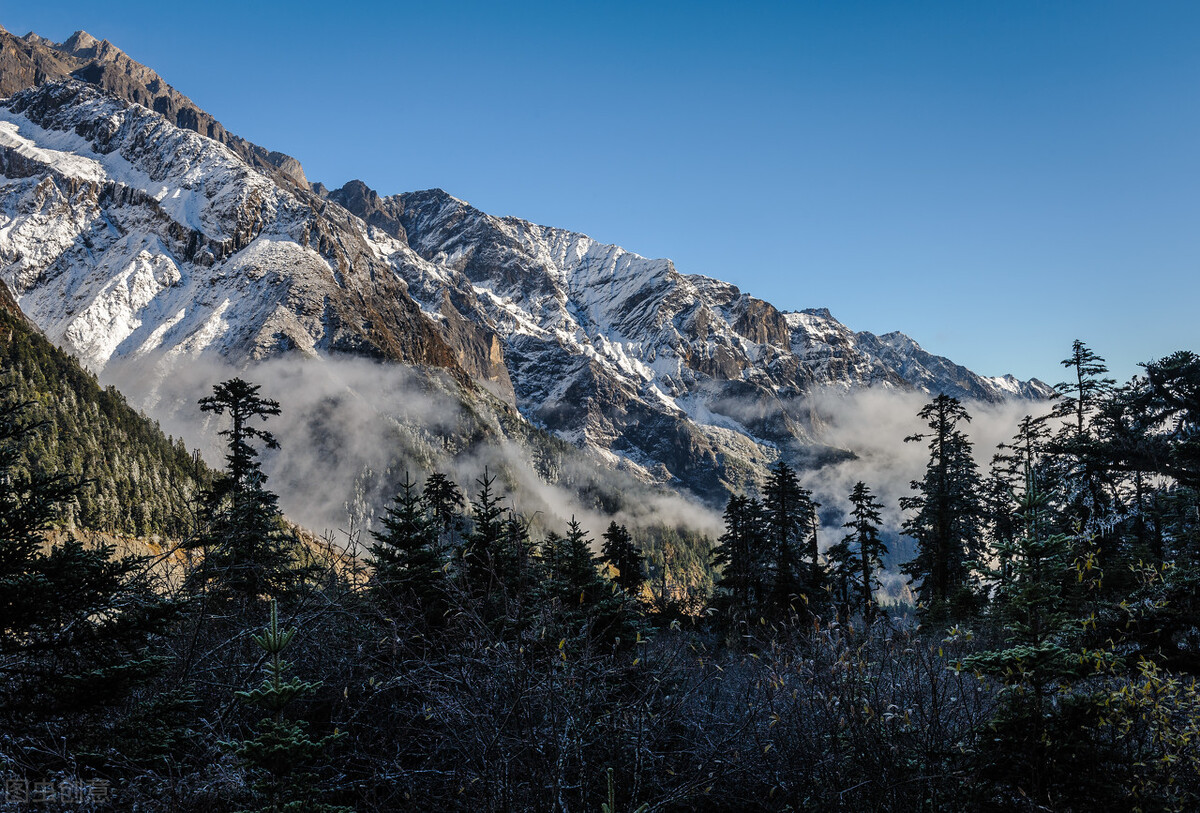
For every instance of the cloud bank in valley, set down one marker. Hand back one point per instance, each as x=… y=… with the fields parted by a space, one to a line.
x=350 y=429
x=873 y=424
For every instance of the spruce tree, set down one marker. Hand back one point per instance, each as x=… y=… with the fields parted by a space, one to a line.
x=572 y=578
x=443 y=500
x=743 y=559
x=481 y=549
x=1081 y=395
x=946 y=522
x=408 y=572
x=789 y=512
x=517 y=570
x=860 y=553
x=1012 y=460
x=1089 y=500
x=282 y=756
x=625 y=557
x=246 y=553
x=582 y=598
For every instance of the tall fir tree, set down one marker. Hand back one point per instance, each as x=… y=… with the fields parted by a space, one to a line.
x=947 y=515
x=409 y=574
x=743 y=559
x=857 y=559
x=1089 y=501
x=583 y=599
x=444 y=501
x=246 y=553
x=1081 y=395
x=1173 y=403
x=788 y=522
x=1006 y=479
x=481 y=549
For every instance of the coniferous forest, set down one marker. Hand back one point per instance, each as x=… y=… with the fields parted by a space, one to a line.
x=467 y=661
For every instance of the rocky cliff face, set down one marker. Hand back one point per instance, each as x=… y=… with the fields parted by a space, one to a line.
x=129 y=229
x=660 y=369
x=32 y=60
x=124 y=234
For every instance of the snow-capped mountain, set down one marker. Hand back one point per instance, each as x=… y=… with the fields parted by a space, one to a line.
x=124 y=235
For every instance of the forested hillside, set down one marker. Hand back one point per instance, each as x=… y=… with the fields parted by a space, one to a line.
x=139 y=482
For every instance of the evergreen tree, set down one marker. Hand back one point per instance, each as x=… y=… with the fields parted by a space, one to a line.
x=1173 y=403
x=1081 y=395
x=408 y=572
x=1128 y=451
x=78 y=626
x=1089 y=503
x=245 y=551
x=516 y=566
x=443 y=500
x=281 y=757
x=1032 y=746
x=583 y=599
x=788 y=512
x=1005 y=480
x=625 y=557
x=858 y=557
x=745 y=570
x=572 y=578
x=947 y=514
x=482 y=545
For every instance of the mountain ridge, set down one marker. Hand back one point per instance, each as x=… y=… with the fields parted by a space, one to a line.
x=33 y=60
x=124 y=234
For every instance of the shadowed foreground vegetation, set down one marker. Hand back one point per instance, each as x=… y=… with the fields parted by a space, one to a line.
x=466 y=663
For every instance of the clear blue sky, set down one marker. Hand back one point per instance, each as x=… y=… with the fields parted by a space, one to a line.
x=994 y=179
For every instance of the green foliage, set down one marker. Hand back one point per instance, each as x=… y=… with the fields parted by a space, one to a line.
x=486 y=664
x=281 y=756
x=946 y=519
x=139 y=482
x=409 y=571
x=679 y=568
x=246 y=552
x=790 y=528
x=625 y=557
x=79 y=627
x=856 y=560
x=743 y=560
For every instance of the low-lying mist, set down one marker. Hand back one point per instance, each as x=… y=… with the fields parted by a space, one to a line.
x=873 y=424
x=350 y=429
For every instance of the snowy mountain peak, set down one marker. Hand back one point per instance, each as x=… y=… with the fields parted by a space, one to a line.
x=131 y=228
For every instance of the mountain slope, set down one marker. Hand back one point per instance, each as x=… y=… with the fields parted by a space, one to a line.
x=32 y=60
x=138 y=482
x=626 y=354
x=124 y=234
x=128 y=237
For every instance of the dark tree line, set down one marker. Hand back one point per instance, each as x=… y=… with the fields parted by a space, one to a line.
x=469 y=662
